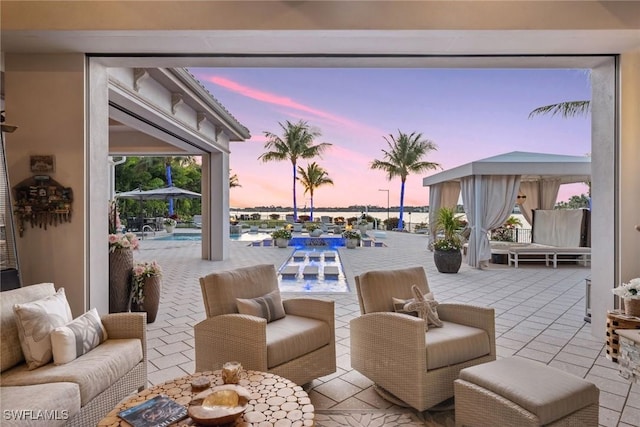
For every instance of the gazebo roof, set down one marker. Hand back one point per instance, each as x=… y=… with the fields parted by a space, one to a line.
x=530 y=166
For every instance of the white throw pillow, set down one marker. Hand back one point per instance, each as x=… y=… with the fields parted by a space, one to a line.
x=35 y=321
x=77 y=337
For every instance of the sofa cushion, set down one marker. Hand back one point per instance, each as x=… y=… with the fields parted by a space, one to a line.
x=294 y=336
x=45 y=404
x=94 y=372
x=77 y=337
x=455 y=343
x=36 y=320
x=10 y=350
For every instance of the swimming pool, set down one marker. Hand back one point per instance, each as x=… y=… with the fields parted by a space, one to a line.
x=313 y=269
x=244 y=237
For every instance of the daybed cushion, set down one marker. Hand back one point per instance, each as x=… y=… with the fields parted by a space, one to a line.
x=293 y=336
x=10 y=350
x=60 y=400
x=36 y=320
x=455 y=343
x=94 y=372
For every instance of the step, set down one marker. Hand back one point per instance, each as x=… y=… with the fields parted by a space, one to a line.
x=330 y=256
x=331 y=272
x=299 y=256
x=314 y=256
x=290 y=272
x=310 y=272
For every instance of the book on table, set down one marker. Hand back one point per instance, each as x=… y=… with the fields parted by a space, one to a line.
x=159 y=411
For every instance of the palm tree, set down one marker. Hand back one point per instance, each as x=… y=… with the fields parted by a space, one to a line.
x=234 y=181
x=565 y=109
x=311 y=178
x=295 y=143
x=404 y=157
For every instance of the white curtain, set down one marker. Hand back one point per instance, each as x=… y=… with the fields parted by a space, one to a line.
x=488 y=202
x=445 y=194
x=540 y=195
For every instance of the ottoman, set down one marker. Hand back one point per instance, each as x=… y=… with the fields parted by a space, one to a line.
x=520 y=392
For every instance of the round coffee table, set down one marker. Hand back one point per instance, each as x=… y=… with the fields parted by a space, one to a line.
x=274 y=401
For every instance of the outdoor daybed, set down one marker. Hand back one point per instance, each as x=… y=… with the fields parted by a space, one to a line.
x=85 y=388
x=557 y=236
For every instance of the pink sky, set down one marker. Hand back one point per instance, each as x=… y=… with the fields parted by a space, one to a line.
x=468 y=114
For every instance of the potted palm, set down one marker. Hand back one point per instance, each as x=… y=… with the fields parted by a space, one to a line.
x=352 y=238
x=447 y=247
x=281 y=237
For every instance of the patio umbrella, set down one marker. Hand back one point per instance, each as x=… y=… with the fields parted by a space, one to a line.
x=159 y=194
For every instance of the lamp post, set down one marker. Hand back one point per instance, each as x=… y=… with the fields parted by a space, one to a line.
x=387 y=190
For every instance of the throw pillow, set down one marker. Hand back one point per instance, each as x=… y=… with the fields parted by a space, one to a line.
x=426 y=308
x=77 y=337
x=35 y=321
x=398 y=306
x=268 y=306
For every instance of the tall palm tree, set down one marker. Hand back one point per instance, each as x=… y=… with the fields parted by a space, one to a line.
x=234 y=181
x=565 y=109
x=295 y=143
x=403 y=157
x=311 y=178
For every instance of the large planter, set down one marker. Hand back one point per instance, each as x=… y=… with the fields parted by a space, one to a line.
x=447 y=261
x=363 y=229
x=282 y=243
x=316 y=233
x=152 y=290
x=120 y=265
x=352 y=243
x=169 y=228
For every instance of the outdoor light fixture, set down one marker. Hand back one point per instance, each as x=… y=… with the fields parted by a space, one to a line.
x=6 y=127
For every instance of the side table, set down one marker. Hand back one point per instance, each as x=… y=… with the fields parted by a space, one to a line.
x=274 y=401
x=629 y=355
x=617 y=320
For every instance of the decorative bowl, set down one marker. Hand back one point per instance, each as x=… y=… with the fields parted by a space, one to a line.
x=219 y=405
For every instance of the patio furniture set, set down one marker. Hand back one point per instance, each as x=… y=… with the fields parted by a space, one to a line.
x=418 y=361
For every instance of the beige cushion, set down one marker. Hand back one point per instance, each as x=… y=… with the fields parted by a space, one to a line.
x=378 y=288
x=94 y=372
x=294 y=336
x=77 y=337
x=268 y=306
x=10 y=350
x=61 y=400
x=35 y=322
x=455 y=343
x=542 y=390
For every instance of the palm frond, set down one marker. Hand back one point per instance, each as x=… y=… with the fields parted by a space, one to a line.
x=565 y=109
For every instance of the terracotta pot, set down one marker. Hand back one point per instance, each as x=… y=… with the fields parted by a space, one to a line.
x=151 y=303
x=120 y=265
x=632 y=307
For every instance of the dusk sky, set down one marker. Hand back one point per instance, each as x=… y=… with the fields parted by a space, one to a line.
x=469 y=114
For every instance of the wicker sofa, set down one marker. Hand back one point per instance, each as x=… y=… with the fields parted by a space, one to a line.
x=78 y=393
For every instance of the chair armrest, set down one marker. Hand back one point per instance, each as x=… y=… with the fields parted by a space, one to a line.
x=228 y=337
x=377 y=338
x=315 y=308
x=127 y=325
x=471 y=315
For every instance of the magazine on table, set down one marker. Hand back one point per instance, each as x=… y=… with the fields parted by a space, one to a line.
x=157 y=412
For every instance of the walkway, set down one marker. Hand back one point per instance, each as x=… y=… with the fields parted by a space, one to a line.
x=539 y=315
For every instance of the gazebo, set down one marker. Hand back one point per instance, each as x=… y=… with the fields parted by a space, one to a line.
x=491 y=187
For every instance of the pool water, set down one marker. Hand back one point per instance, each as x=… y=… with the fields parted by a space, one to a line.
x=245 y=237
x=291 y=274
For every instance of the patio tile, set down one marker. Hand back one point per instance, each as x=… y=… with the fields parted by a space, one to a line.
x=631 y=416
x=337 y=389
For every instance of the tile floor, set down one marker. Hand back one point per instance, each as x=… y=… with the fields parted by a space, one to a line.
x=539 y=315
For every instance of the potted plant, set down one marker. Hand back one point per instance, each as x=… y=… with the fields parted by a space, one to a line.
x=363 y=226
x=313 y=229
x=281 y=237
x=630 y=294
x=352 y=238
x=146 y=288
x=504 y=233
x=447 y=247
x=169 y=224
x=121 y=247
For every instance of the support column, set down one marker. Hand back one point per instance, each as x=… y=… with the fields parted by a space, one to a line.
x=215 y=206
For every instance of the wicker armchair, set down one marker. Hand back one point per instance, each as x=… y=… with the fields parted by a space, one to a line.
x=300 y=346
x=393 y=350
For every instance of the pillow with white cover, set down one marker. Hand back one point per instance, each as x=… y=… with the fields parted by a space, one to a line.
x=35 y=321
x=78 y=337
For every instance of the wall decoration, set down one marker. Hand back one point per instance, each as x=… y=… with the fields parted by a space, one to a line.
x=42 y=164
x=41 y=201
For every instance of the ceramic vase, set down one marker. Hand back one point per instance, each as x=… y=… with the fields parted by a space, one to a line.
x=120 y=265
x=151 y=302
